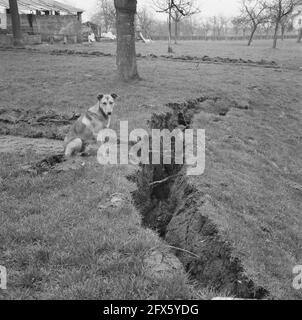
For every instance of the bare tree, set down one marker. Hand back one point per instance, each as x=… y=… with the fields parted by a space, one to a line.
x=254 y=12
x=236 y=25
x=278 y=10
x=285 y=25
x=145 y=21
x=206 y=27
x=14 y=11
x=126 y=54
x=215 y=27
x=223 y=24
x=177 y=17
x=173 y=7
x=166 y=6
x=106 y=15
x=240 y=23
x=181 y=10
x=267 y=27
x=299 y=36
x=219 y=26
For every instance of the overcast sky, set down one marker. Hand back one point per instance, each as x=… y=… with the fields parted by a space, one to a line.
x=209 y=8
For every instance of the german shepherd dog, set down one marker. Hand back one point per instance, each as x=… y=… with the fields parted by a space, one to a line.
x=86 y=129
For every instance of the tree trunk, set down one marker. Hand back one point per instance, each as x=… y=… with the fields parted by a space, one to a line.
x=282 y=31
x=170 y=50
x=126 y=54
x=300 y=36
x=276 y=35
x=176 y=31
x=14 y=11
x=252 y=35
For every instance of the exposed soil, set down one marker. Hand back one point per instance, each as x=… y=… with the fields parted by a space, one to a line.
x=185 y=58
x=35 y=123
x=172 y=206
x=208 y=59
x=10 y=144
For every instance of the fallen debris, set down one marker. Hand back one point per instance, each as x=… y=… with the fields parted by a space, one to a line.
x=117 y=200
x=55 y=163
x=162 y=264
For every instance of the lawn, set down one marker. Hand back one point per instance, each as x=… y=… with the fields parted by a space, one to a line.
x=288 y=53
x=56 y=242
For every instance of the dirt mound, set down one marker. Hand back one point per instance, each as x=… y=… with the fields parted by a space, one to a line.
x=80 y=53
x=186 y=58
x=35 y=123
x=207 y=59
x=12 y=144
x=50 y=153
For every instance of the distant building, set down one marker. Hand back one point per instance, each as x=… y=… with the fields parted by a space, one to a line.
x=48 y=19
x=297 y=17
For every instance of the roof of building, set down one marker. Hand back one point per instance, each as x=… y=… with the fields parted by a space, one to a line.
x=42 y=5
x=89 y=23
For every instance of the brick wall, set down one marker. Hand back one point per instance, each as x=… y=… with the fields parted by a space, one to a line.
x=47 y=26
x=54 y=25
x=7 y=39
x=27 y=21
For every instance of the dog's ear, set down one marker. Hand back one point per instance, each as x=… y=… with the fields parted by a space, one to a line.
x=100 y=97
x=114 y=96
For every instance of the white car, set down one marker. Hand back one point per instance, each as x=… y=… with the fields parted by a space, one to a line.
x=108 y=35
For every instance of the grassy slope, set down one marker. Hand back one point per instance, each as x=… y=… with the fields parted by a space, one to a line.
x=241 y=157
x=57 y=244
x=253 y=176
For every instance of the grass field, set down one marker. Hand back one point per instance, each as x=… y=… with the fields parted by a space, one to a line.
x=288 y=53
x=56 y=243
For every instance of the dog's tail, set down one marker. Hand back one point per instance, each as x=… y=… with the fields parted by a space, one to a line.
x=73 y=147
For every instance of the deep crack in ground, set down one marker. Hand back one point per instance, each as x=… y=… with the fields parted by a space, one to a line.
x=172 y=206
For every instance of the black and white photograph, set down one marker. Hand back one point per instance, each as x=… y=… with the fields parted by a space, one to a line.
x=150 y=151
